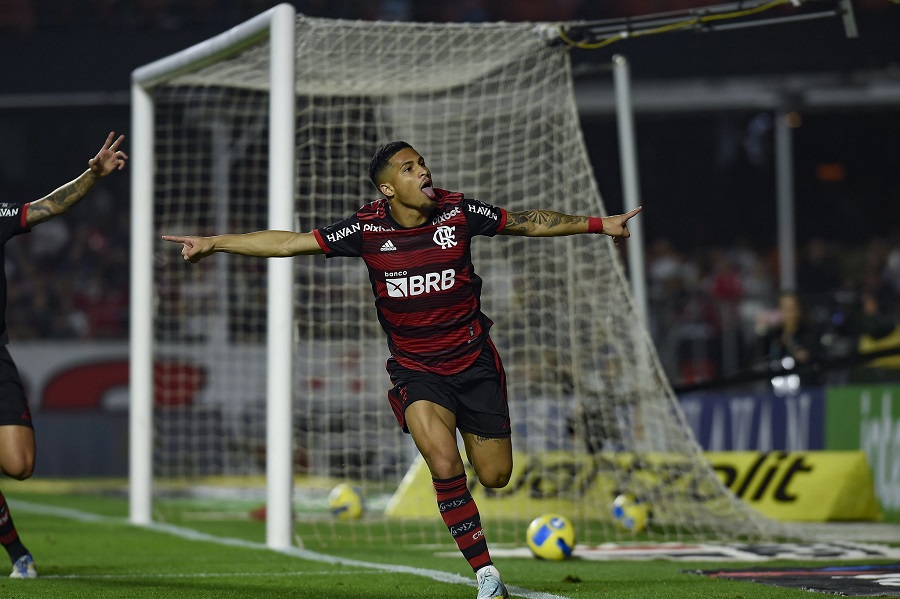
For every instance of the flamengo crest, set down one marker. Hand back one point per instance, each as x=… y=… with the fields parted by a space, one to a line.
x=445 y=237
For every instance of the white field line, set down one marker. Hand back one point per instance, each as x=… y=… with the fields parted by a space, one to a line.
x=206 y=575
x=304 y=554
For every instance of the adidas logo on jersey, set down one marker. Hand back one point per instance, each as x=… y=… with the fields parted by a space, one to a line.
x=388 y=246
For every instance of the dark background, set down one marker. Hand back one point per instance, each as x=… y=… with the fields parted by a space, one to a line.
x=93 y=45
x=65 y=74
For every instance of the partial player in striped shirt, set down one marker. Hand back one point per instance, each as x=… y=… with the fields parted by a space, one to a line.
x=446 y=373
x=16 y=427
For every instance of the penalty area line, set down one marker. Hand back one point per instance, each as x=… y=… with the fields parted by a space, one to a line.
x=304 y=554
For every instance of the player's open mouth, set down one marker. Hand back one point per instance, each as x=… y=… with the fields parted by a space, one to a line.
x=427 y=189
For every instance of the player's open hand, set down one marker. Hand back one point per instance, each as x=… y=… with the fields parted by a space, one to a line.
x=110 y=158
x=193 y=248
x=617 y=225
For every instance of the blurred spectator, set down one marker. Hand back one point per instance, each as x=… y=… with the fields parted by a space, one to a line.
x=878 y=330
x=664 y=268
x=759 y=294
x=726 y=289
x=787 y=333
x=875 y=323
x=725 y=282
x=891 y=274
x=665 y=280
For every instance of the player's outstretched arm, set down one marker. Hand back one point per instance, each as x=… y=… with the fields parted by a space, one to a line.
x=261 y=244
x=110 y=158
x=547 y=223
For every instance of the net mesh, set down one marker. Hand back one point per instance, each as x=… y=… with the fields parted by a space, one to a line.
x=491 y=108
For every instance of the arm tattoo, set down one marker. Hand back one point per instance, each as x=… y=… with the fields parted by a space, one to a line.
x=523 y=222
x=59 y=200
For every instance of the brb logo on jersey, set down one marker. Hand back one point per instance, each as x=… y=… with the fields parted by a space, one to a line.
x=400 y=285
x=445 y=237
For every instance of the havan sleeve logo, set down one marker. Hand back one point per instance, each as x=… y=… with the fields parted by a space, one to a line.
x=7 y=210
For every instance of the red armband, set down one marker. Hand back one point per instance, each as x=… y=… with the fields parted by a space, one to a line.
x=595 y=224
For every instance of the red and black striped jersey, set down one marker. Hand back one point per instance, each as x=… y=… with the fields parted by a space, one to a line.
x=12 y=222
x=427 y=295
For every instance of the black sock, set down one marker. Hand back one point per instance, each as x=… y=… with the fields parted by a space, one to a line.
x=9 y=537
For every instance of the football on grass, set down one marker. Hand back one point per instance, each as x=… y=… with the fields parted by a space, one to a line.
x=551 y=537
x=346 y=502
x=630 y=513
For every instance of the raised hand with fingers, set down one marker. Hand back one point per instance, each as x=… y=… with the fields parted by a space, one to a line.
x=110 y=158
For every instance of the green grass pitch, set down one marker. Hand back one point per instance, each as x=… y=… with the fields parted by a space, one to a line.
x=85 y=547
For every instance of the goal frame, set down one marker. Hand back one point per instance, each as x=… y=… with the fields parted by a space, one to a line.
x=279 y=25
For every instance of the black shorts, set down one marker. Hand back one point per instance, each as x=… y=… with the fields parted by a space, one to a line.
x=13 y=403
x=477 y=395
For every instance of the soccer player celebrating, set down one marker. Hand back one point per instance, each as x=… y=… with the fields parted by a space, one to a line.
x=17 y=447
x=446 y=372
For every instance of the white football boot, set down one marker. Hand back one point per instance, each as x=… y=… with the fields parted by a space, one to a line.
x=24 y=567
x=489 y=584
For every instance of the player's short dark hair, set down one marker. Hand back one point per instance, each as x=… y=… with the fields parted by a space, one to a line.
x=382 y=159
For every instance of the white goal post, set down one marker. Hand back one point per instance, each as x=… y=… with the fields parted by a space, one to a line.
x=277 y=24
x=246 y=370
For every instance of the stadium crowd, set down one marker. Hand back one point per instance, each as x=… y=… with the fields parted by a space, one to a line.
x=712 y=310
x=709 y=308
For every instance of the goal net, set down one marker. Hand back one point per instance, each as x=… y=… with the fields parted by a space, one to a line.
x=491 y=108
